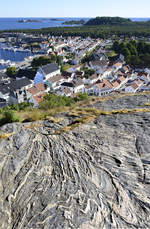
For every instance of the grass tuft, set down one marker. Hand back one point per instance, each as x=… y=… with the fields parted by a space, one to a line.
x=5 y=135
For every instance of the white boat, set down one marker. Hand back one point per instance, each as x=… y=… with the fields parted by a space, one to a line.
x=5 y=62
x=12 y=64
x=2 y=61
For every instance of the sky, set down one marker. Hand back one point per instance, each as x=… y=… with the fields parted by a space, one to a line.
x=74 y=8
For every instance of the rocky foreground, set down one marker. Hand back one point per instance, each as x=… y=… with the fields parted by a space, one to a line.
x=94 y=176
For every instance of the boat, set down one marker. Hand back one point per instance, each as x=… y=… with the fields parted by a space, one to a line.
x=5 y=62
x=12 y=64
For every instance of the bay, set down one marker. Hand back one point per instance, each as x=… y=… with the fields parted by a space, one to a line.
x=14 y=24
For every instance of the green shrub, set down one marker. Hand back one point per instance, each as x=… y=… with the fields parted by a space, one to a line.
x=25 y=105
x=40 y=61
x=19 y=106
x=52 y=101
x=11 y=71
x=81 y=97
x=14 y=107
x=9 y=116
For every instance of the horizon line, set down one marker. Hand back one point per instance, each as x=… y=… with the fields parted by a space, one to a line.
x=70 y=17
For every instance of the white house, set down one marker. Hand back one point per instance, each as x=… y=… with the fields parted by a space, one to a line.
x=100 y=56
x=89 y=89
x=59 y=45
x=132 y=88
x=16 y=90
x=37 y=99
x=74 y=69
x=147 y=70
x=106 y=72
x=92 y=79
x=65 y=91
x=144 y=77
x=122 y=80
x=4 y=90
x=103 y=88
x=116 y=84
x=98 y=66
x=56 y=81
x=37 y=93
x=117 y=66
x=45 y=72
x=68 y=76
x=75 y=87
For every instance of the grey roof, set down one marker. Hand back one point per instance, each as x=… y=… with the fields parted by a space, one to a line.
x=49 y=68
x=78 y=83
x=94 y=76
x=14 y=85
x=4 y=89
x=26 y=73
x=66 y=91
x=67 y=74
x=68 y=84
x=3 y=76
x=18 y=84
x=99 y=63
x=2 y=100
x=55 y=79
x=98 y=56
x=73 y=84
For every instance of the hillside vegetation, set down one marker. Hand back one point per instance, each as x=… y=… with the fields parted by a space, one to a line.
x=82 y=107
x=109 y=21
x=137 y=54
x=52 y=104
x=74 y=22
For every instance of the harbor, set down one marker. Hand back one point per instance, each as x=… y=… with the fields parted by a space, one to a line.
x=12 y=56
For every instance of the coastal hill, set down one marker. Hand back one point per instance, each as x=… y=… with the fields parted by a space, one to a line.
x=74 y=22
x=88 y=168
x=109 y=21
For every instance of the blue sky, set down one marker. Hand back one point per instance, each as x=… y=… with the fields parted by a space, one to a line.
x=75 y=8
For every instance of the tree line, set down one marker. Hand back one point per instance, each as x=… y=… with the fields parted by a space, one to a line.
x=136 y=53
x=100 y=31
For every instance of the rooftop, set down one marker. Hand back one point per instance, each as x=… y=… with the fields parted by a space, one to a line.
x=40 y=87
x=49 y=68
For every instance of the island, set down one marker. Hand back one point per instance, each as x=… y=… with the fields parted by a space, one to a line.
x=28 y=20
x=109 y=21
x=74 y=22
x=55 y=19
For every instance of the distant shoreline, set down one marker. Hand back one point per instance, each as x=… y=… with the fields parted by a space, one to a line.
x=10 y=24
x=28 y=21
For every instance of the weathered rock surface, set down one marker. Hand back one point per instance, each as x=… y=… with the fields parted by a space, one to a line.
x=95 y=176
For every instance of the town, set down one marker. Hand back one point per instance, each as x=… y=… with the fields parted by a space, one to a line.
x=66 y=66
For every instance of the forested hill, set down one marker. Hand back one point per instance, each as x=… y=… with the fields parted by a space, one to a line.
x=109 y=21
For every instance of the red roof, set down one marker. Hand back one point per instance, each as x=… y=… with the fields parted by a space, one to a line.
x=104 y=85
x=37 y=88
x=115 y=84
x=139 y=82
x=142 y=74
x=39 y=98
x=134 y=86
x=122 y=78
x=118 y=64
